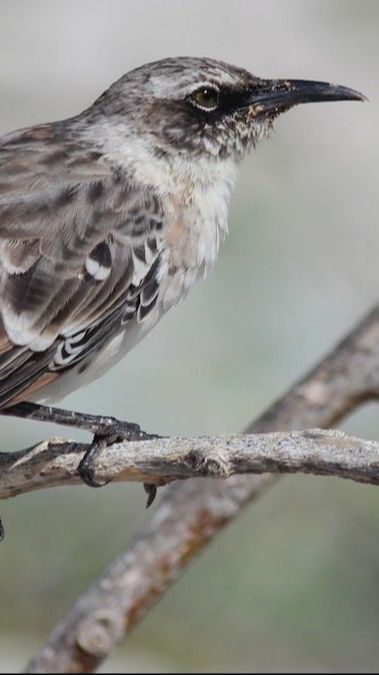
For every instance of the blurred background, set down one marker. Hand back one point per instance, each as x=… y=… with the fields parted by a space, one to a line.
x=293 y=585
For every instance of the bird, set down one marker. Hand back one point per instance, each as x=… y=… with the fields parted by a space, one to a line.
x=108 y=218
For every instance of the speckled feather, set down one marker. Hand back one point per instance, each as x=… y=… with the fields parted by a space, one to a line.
x=108 y=218
x=80 y=247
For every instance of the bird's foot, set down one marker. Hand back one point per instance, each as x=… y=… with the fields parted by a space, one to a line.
x=106 y=430
x=114 y=431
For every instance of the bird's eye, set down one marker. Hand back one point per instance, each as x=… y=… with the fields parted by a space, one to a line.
x=206 y=98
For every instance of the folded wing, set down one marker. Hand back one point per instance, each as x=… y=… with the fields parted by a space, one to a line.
x=80 y=255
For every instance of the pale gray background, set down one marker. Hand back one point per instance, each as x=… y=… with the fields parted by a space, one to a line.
x=294 y=583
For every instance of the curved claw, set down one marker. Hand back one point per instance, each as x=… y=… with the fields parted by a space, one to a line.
x=113 y=432
x=86 y=466
x=151 y=491
x=86 y=472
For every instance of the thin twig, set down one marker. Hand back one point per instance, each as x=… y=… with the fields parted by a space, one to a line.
x=316 y=451
x=192 y=513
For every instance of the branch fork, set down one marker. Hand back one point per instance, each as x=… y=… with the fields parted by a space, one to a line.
x=191 y=513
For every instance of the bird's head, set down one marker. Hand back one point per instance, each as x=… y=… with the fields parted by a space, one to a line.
x=206 y=107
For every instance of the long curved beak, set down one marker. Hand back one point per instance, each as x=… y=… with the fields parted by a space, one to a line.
x=272 y=96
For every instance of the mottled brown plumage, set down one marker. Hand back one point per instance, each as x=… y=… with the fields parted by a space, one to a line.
x=108 y=218
x=72 y=227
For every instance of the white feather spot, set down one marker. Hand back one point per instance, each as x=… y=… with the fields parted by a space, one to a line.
x=97 y=271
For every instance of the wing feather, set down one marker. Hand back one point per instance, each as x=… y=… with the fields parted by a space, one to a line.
x=75 y=264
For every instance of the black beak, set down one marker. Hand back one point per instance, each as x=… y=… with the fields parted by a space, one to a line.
x=274 y=96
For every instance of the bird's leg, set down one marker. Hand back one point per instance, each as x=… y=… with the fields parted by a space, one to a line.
x=106 y=430
x=93 y=423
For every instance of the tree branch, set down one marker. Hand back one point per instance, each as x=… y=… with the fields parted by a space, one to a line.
x=316 y=451
x=192 y=513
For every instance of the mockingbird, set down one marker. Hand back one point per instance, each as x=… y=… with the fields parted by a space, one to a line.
x=109 y=217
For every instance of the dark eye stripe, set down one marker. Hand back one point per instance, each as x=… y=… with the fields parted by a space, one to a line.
x=229 y=99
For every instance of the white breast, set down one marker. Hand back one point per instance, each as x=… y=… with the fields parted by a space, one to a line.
x=195 y=193
x=195 y=190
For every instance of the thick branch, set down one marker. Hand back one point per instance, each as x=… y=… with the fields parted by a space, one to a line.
x=328 y=453
x=192 y=513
